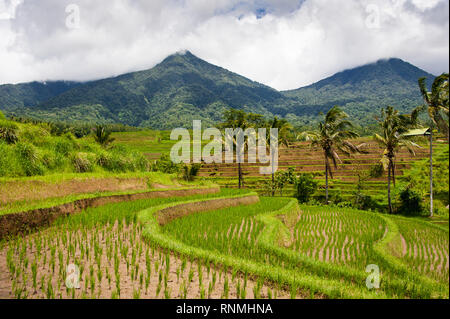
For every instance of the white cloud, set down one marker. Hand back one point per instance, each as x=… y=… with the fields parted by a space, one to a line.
x=292 y=43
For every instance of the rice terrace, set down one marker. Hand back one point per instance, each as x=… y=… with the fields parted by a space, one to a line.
x=133 y=166
x=98 y=217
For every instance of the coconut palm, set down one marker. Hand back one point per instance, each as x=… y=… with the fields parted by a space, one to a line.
x=284 y=129
x=332 y=136
x=394 y=126
x=239 y=119
x=102 y=136
x=437 y=101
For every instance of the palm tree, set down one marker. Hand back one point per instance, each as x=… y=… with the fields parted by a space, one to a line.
x=437 y=101
x=332 y=136
x=394 y=126
x=102 y=136
x=284 y=129
x=239 y=119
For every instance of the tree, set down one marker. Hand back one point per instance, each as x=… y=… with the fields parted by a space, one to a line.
x=332 y=136
x=236 y=119
x=437 y=102
x=284 y=177
x=284 y=129
x=102 y=136
x=305 y=187
x=394 y=126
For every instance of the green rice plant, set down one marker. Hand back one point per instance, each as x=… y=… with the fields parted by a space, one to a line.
x=114 y=294
x=424 y=247
x=226 y=288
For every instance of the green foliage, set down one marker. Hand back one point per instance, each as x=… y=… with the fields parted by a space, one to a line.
x=376 y=170
x=38 y=152
x=418 y=178
x=165 y=165
x=394 y=127
x=437 y=102
x=305 y=187
x=102 y=136
x=2 y=116
x=29 y=158
x=410 y=202
x=8 y=131
x=283 y=178
x=82 y=162
x=332 y=136
x=190 y=172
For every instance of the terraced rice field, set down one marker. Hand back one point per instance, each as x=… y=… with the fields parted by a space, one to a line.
x=232 y=231
x=337 y=236
x=309 y=160
x=231 y=244
x=425 y=248
x=115 y=261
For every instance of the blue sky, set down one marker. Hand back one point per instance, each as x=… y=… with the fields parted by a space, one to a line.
x=282 y=43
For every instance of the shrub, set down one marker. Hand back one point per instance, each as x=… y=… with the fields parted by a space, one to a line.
x=2 y=116
x=364 y=202
x=9 y=164
x=29 y=159
x=190 y=171
x=8 y=132
x=376 y=170
x=35 y=134
x=305 y=187
x=410 y=202
x=103 y=136
x=82 y=162
x=284 y=177
x=63 y=146
x=165 y=165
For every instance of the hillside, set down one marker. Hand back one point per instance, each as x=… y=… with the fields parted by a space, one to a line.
x=173 y=93
x=183 y=87
x=362 y=91
x=31 y=94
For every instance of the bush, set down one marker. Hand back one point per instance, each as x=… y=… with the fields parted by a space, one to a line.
x=82 y=162
x=8 y=132
x=410 y=202
x=165 y=165
x=121 y=160
x=9 y=164
x=29 y=159
x=305 y=187
x=35 y=134
x=190 y=171
x=365 y=202
x=2 y=116
x=63 y=146
x=376 y=170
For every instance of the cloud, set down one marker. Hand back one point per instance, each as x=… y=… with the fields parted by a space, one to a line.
x=282 y=43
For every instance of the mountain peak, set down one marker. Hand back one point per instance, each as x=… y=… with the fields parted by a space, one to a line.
x=389 y=69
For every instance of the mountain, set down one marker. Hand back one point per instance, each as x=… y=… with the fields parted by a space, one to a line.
x=172 y=94
x=31 y=94
x=183 y=87
x=362 y=91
